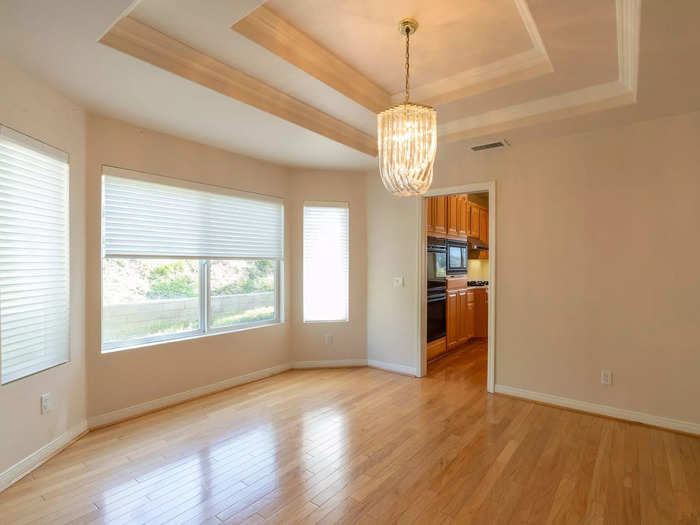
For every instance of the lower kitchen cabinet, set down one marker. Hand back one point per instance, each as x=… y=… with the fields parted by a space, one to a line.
x=467 y=315
x=452 y=305
x=481 y=312
x=435 y=348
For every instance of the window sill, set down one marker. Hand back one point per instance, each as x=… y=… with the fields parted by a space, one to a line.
x=190 y=337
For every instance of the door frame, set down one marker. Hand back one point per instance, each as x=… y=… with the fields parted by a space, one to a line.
x=421 y=290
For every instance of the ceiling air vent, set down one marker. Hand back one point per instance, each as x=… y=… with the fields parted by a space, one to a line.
x=490 y=145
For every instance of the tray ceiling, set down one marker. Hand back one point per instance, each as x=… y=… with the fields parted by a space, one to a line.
x=299 y=82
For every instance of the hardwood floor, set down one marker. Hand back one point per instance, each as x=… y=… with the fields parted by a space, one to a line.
x=366 y=446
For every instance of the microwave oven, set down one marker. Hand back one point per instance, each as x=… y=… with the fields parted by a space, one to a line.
x=456 y=257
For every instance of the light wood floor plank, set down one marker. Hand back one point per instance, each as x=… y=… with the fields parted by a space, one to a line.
x=365 y=446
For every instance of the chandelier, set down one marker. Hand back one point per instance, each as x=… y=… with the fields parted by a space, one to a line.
x=407 y=139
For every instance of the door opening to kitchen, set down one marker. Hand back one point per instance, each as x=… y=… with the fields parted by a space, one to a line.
x=457 y=287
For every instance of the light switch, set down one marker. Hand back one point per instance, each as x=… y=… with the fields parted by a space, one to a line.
x=398 y=282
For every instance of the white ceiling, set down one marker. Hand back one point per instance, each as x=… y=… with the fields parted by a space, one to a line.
x=57 y=41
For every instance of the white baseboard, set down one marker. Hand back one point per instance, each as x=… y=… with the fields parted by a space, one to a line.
x=604 y=410
x=392 y=367
x=26 y=465
x=162 y=402
x=332 y=363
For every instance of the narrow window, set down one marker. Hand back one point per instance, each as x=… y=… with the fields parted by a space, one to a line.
x=34 y=263
x=326 y=261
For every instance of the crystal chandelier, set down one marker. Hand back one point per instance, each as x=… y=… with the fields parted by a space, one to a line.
x=407 y=139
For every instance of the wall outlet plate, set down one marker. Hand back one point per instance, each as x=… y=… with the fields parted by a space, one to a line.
x=606 y=377
x=398 y=282
x=46 y=402
x=328 y=339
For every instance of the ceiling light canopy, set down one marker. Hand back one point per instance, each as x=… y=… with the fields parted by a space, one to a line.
x=407 y=139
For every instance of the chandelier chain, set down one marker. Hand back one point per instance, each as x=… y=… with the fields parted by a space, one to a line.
x=408 y=36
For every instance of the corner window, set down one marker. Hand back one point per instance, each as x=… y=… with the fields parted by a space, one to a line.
x=180 y=261
x=326 y=261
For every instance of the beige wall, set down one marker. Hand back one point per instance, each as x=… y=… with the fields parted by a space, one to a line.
x=627 y=196
x=36 y=110
x=349 y=339
x=121 y=379
x=392 y=237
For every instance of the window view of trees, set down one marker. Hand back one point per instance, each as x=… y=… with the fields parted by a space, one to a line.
x=152 y=297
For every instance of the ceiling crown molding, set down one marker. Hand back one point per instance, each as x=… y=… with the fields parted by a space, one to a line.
x=145 y=43
x=529 y=64
x=573 y=103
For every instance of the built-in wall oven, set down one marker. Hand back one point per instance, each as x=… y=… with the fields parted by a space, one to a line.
x=456 y=257
x=436 y=264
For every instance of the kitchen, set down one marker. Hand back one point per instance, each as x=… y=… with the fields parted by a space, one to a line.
x=457 y=268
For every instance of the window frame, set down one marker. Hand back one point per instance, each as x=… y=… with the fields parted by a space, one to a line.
x=205 y=300
x=204 y=329
x=325 y=204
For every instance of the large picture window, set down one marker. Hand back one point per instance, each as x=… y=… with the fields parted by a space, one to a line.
x=183 y=260
x=34 y=264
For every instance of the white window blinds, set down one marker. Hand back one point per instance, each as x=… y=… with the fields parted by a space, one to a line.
x=34 y=269
x=166 y=217
x=326 y=261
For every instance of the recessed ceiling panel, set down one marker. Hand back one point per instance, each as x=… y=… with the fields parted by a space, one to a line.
x=454 y=35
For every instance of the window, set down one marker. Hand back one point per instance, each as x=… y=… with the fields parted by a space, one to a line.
x=184 y=260
x=34 y=264
x=326 y=264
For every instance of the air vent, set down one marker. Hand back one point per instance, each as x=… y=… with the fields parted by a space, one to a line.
x=490 y=145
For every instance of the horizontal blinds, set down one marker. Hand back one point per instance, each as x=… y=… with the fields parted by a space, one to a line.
x=326 y=261
x=142 y=218
x=34 y=271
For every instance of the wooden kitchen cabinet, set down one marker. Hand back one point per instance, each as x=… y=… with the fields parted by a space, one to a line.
x=452 y=306
x=462 y=216
x=460 y=313
x=481 y=312
x=473 y=220
x=484 y=225
x=436 y=221
x=436 y=348
x=452 y=215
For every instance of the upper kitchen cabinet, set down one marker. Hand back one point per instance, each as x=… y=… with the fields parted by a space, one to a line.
x=473 y=220
x=484 y=225
x=452 y=215
x=457 y=217
x=437 y=216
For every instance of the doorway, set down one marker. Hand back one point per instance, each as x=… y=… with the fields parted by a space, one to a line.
x=462 y=246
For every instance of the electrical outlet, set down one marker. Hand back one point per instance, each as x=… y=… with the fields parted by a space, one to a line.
x=45 y=402
x=606 y=377
x=328 y=339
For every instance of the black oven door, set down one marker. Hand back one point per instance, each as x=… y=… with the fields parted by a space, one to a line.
x=437 y=316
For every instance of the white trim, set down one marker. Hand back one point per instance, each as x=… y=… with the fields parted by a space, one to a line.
x=25 y=141
x=329 y=363
x=34 y=460
x=422 y=293
x=604 y=410
x=163 y=402
x=392 y=367
x=573 y=103
x=534 y=62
